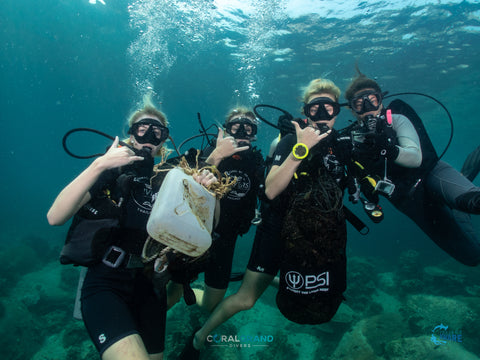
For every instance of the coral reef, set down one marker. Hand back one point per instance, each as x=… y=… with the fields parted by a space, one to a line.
x=387 y=315
x=421 y=348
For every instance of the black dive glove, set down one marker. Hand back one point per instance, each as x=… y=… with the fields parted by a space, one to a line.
x=343 y=149
x=383 y=143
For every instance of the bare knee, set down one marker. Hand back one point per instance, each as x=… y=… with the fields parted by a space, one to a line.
x=156 y=356
x=131 y=345
x=245 y=302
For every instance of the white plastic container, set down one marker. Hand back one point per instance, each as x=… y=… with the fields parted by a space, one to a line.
x=182 y=215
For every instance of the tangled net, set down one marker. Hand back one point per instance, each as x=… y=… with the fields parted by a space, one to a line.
x=322 y=192
x=219 y=188
x=223 y=184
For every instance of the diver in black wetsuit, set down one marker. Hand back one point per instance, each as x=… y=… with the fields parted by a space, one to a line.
x=309 y=156
x=394 y=157
x=471 y=166
x=235 y=156
x=122 y=311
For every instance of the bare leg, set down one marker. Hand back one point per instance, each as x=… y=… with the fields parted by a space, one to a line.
x=210 y=298
x=130 y=347
x=253 y=286
x=207 y=299
x=276 y=282
x=174 y=293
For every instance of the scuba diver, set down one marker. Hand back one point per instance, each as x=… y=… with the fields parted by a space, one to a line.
x=308 y=178
x=304 y=188
x=234 y=156
x=122 y=310
x=394 y=157
x=471 y=166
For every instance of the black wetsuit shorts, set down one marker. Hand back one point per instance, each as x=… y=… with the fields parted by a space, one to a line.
x=219 y=268
x=267 y=249
x=120 y=302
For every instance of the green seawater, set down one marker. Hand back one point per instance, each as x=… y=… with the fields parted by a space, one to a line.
x=67 y=64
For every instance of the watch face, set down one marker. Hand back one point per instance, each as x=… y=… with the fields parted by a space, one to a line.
x=300 y=151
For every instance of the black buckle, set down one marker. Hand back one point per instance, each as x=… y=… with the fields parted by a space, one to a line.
x=114 y=257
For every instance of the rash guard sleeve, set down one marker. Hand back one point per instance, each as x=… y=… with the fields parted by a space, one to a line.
x=410 y=154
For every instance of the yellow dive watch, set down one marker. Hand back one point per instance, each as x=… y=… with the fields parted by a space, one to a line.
x=300 y=151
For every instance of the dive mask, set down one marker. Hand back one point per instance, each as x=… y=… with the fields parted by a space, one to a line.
x=149 y=131
x=241 y=128
x=327 y=109
x=368 y=100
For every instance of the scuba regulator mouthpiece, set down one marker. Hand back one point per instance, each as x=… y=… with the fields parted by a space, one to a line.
x=370 y=122
x=323 y=128
x=143 y=167
x=244 y=143
x=368 y=125
x=145 y=151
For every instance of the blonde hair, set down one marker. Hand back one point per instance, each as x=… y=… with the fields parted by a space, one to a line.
x=320 y=85
x=241 y=110
x=148 y=109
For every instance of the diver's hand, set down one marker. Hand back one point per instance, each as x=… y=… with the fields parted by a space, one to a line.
x=117 y=156
x=389 y=143
x=205 y=178
x=226 y=146
x=309 y=135
x=383 y=143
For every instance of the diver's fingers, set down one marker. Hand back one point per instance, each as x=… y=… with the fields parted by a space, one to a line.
x=208 y=174
x=115 y=149
x=230 y=138
x=199 y=177
x=220 y=134
x=115 y=143
x=136 y=158
x=209 y=182
x=226 y=146
x=205 y=178
x=209 y=179
x=325 y=134
x=297 y=127
x=242 y=148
